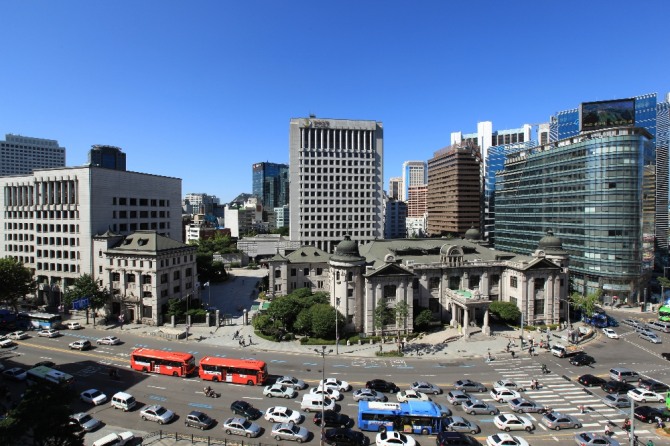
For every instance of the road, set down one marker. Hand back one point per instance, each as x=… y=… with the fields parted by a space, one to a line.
x=559 y=389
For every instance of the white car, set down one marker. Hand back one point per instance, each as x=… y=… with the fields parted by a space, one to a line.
x=108 y=340
x=394 y=438
x=411 y=395
x=281 y=414
x=74 y=326
x=279 y=391
x=290 y=381
x=332 y=393
x=48 y=333
x=505 y=440
x=18 y=335
x=157 y=413
x=501 y=394
x=643 y=395
x=93 y=396
x=5 y=342
x=336 y=384
x=610 y=333
x=511 y=422
x=116 y=439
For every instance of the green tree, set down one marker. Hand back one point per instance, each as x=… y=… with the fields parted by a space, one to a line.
x=285 y=309
x=383 y=316
x=665 y=284
x=85 y=286
x=586 y=304
x=506 y=311
x=262 y=323
x=42 y=419
x=323 y=321
x=219 y=273
x=422 y=320
x=303 y=323
x=16 y=282
x=401 y=313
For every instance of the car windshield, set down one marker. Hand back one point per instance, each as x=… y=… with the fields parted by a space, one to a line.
x=246 y=424
x=96 y=394
x=161 y=410
x=85 y=418
x=287 y=412
x=295 y=429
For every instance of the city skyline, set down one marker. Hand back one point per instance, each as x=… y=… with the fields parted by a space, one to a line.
x=184 y=89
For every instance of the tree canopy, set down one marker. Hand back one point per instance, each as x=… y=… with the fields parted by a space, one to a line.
x=586 y=304
x=16 y=282
x=506 y=311
x=85 y=286
x=301 y=312
x=42 y=419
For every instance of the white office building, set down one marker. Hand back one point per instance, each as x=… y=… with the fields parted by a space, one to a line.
x=49 y=218
x=336 y=187
x=20 y=155
x=414 y=173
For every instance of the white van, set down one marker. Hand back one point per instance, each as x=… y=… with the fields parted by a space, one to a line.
x=123 y=401
x=660 y=326
x=314 y=403
x=115 y=439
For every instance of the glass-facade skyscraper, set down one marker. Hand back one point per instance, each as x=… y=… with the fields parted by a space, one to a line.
x=270 y=184
x=596 y=191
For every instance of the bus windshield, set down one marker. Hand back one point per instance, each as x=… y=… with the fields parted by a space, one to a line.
x=664 y=313
x=417 y=417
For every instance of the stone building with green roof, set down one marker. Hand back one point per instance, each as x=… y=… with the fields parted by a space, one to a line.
x=143 y=271
x=456 y=279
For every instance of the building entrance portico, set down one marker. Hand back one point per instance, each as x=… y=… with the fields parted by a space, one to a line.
x=464 y=306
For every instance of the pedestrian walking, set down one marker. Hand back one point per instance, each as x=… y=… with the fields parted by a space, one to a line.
x=250 y=340
x=240 y=341
x=380 y=348
x=513 y=354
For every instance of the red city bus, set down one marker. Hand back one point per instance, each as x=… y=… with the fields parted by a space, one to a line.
x=159 y=361
x=236 y=371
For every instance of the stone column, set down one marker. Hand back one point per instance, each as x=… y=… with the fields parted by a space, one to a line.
x=466 y=322
x=454 y=322
x=485 y=327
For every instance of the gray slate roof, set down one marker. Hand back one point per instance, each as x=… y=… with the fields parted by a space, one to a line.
x=147 y=242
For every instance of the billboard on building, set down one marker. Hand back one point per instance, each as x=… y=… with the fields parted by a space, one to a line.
x=604 y=114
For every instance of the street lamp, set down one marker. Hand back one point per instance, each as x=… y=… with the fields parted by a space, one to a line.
x=323 y=354
x=337 y=333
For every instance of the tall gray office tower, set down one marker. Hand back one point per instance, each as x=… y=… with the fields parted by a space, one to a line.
x=20 y=155
x=336 y=181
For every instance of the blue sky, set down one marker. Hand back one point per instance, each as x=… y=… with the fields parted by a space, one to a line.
x=201 y=90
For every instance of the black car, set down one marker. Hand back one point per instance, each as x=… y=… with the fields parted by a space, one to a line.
x=345 y=437
x=647 y=414
x=245 y=409
x=653 y=385
x=666 y=356
x=333 y=419
x=454 y=439
x=582 y=360
x=612 y=386
x=589 y=380
x=381 y=385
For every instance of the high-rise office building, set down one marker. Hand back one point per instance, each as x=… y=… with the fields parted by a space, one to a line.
x=417 y=201
x=596 y=191
x=270 y=184
x=652 y=116
x=395 y=219
x=395 y=188
x=454 y=190
x=109 y=157
x=414 y=173
x=486 y=137
x=202 y=203
x=336 y=188
x=50 y=217
x=20 y=155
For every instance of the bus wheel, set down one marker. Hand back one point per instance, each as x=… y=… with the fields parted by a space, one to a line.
x=175 y=374
x=424 y=431
x=382 y=429
x=215 y=379
x=145 y=370
x=250 y=383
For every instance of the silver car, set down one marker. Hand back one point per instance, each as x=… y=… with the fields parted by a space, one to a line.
x=241 y=426
x=289 y=431
x=157 y=413
x=86 y=421
x=650 y=336
x=615 y=400
x=467 y=385
x=290 y=381
x=460 y=424
x=558 y=421
x=456 y=397
x=369 y=395
x=425 y=387
x=522 y=405
x=477 y=407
